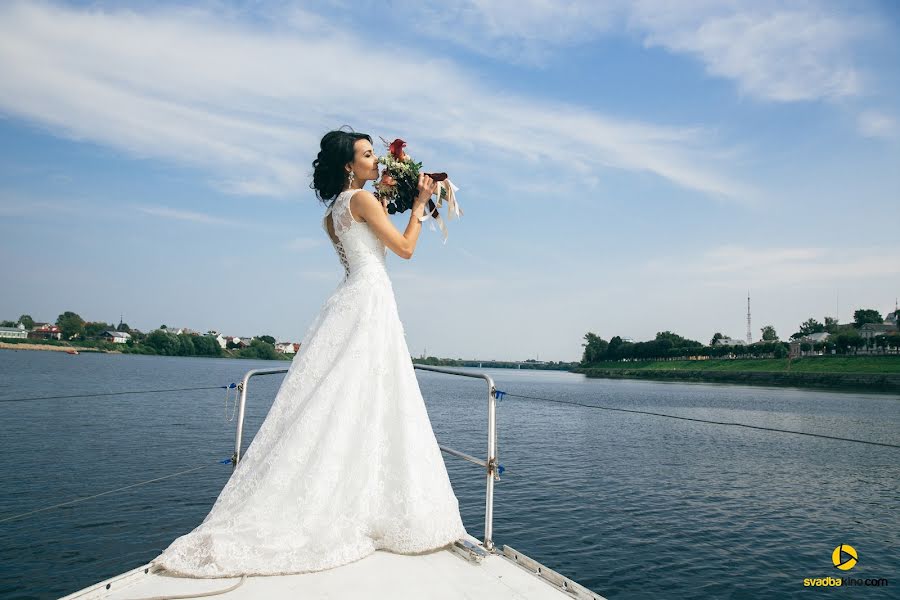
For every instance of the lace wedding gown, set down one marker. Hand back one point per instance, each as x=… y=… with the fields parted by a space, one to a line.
x=346 y=461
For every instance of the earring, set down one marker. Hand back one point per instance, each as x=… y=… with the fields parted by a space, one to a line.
x=350 y=179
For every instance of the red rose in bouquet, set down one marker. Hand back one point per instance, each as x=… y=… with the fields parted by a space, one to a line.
x=398 y=186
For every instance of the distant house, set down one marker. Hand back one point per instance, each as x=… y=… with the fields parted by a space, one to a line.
x=285 y=347
x=17 y=332
x=180 y=331
x=727 y=341
x=241 y=342
x=870 y=331
x=221 y=340
x=45 y=331
x=812 y=339
x=116 y=337
x=815 y=338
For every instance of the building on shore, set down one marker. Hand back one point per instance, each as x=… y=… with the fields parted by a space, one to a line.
x=116 y=337
x=45 y=331
x=18 y=332
x=287 y=347
x=870 y=331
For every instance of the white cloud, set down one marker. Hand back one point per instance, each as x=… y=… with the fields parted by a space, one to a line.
x=771 y=51
x=742 y=267
x=186 y=215
x=522 y=32
x=250 y=105
x=876 y=124
x=801 y=53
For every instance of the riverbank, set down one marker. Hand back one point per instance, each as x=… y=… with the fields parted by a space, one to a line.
x=64 y=347
x=870 y=373
x=23 y=346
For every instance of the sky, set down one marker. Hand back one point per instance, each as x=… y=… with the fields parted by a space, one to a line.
x=624 y=167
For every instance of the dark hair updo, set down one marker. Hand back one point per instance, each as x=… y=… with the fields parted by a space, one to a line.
x=329 y=176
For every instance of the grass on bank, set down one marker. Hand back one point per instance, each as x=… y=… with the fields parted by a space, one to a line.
x=808 y=364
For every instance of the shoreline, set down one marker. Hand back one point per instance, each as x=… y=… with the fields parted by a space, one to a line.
x=51 y=348
x=872 y=382
x=88 y=349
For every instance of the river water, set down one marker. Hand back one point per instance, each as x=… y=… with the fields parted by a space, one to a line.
x=629 y=505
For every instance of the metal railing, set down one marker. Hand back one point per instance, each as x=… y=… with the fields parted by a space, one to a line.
x=491 y=464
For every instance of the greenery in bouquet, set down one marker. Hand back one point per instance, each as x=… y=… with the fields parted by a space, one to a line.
x=398 y=185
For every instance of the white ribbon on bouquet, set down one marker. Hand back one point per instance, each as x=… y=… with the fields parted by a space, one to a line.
x=454 y=211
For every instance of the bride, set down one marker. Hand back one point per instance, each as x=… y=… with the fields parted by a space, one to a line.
x=346 y=461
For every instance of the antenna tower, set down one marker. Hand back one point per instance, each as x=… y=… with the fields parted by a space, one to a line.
x=749 y=334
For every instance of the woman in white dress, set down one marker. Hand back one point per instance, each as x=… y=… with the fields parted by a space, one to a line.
x=346 y=461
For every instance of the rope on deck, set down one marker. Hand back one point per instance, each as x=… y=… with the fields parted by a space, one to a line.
x=198 y=595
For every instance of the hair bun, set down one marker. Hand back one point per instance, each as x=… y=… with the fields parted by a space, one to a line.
x=336 y=150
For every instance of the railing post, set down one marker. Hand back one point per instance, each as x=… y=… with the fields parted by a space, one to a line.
x=491 y=467
x=491 y=464
x=242 y=386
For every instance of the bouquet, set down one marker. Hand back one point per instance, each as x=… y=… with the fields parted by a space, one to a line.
x=398 y=186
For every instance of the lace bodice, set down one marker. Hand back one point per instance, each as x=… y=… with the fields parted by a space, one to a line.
x=356 y=244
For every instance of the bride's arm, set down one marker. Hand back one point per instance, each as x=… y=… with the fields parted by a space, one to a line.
x=366 y=205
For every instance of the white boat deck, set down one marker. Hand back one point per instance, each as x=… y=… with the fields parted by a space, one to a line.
x=446 y=573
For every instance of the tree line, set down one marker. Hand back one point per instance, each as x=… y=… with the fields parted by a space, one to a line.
x=75 y=330
x=668 y=345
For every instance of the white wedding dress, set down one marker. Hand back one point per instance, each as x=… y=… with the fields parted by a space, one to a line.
x=346 y=461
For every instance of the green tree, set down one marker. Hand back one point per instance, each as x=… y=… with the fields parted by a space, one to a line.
x=259 y=349
x=164 y=343
x=893 y=340
x=677 y=340
x=768 y=333
x=866 y=315
x=808 y=327
x=7 y=323
x=206 y=345
x=27 y=321
x=70 y=325
x=594 y=349
x=185 y=345
x=715 y=338
x=614 y=349
x=267 y=338
x=831 y=325
x=847 y=340
x=94 y=329
x=662 y=347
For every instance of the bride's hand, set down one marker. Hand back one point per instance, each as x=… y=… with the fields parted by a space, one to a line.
x=427 y=187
